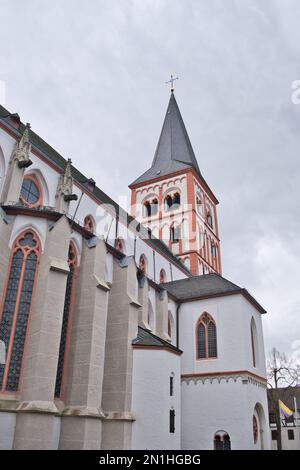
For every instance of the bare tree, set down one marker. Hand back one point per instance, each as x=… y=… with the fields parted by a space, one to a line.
x=283 y=373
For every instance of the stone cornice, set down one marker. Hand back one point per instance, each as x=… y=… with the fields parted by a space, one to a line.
x=247 y=377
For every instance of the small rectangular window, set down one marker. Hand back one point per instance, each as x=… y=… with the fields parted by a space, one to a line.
x=172 y=421
x=274 y=435
x=291 y=434
x=171 y=386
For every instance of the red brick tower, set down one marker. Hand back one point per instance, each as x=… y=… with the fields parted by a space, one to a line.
x=174 y=200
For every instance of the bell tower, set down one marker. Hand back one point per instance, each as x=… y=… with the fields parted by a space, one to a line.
x=173 y=199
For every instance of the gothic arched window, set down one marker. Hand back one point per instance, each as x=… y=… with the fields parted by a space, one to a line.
x=17 y=303
x=31 y=192
x=89 y=224
x=66 y=322
x=206 y=335
x=162 y=276
x=143 y=264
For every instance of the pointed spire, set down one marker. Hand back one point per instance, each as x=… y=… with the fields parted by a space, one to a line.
x=174 y=151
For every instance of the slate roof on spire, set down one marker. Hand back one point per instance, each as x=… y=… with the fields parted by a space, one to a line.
x=174 y=151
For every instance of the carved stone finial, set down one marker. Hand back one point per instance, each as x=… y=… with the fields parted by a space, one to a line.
x=65 y=184
x=22 y=149
x=65 y=188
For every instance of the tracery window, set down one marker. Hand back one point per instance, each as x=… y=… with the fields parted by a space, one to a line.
x=206 y=335
x=66 y=322
x=31 y=192
x=15 y=314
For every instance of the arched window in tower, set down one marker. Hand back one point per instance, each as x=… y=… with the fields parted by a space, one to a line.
x=209 y=218
x=222 y=441
x=147 y=209
x=176 y=200
x=199 y=204
x=89 y=223
x=154 y=206
x=66 y=322
x=172 y=201
x=168 y=202
x=206 y=334
x=175 y=233
x=253 y=342
x=14 y=318
x=119 y=245
x=150 y=207
x=31 y=192
x=143 y=264
x=213 y=250
x=162 y=276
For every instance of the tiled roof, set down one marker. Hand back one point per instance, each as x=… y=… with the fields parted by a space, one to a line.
x=50 y=154
x=205 y=286
x=146 y=338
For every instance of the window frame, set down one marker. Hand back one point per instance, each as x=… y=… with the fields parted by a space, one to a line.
x=26 y=251
x=199 y=322
x=35 y=180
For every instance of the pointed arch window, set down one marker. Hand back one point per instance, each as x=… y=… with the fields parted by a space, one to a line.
x=89 y=224
x=31 y=192
x=14 y=318
x=162 y=276
x=66 y=322
x=206 y=335
x=143 y=264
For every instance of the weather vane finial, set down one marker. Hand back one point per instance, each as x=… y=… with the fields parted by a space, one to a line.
x=171 y=81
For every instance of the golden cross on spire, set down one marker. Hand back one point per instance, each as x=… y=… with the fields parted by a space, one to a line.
x=171 y=81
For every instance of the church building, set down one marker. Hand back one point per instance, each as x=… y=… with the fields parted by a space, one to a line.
x=117 y=330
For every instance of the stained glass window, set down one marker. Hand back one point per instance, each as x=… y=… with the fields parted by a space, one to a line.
x=16 y=308
x=206 y=337
x=30 y=191
x=72 y=261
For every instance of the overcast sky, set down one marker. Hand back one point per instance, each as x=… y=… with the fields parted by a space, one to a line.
x=90 y=78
